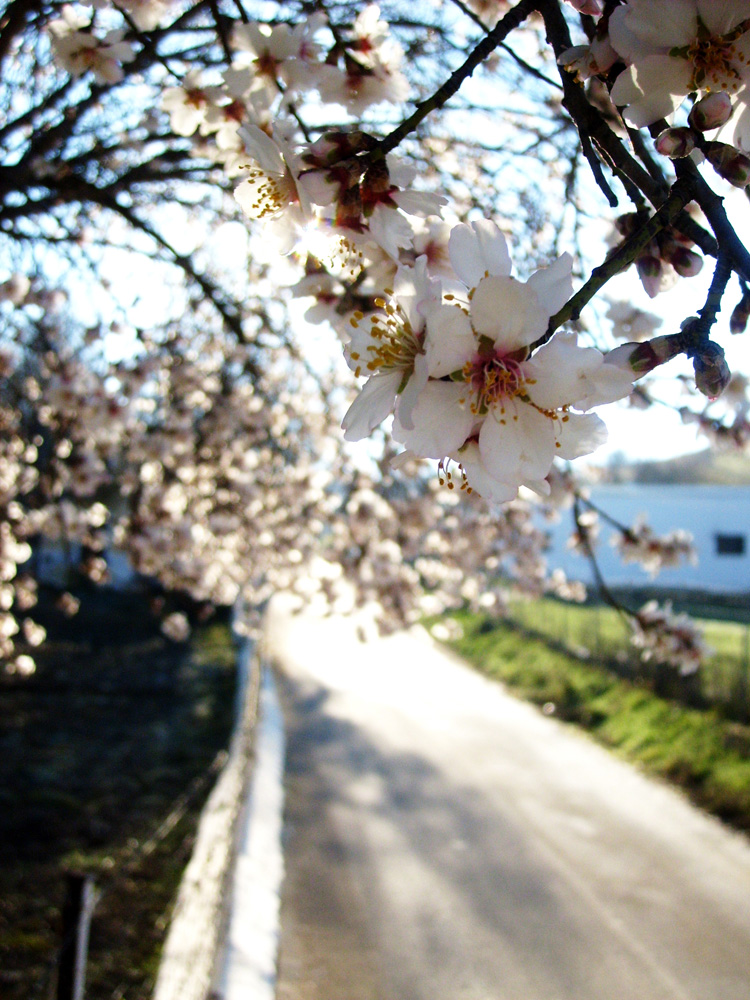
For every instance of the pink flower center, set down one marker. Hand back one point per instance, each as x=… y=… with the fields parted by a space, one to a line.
x=716 y=59
x=493 y=378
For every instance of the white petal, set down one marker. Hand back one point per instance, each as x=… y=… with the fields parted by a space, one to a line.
x=390 y=229
x=479 y=478
x=508 y=312
x=581 y=434
x=643 y=27
x=478 y=249
x=720 y=16
x=450 y=341
x=556 y=374
x=519 y=445
x=263 y=149
x=412 y=391
x=419 y=202
x=554 y=284
x=441 y=423
x=653 y=88
x=416 y=292
x=372 y=405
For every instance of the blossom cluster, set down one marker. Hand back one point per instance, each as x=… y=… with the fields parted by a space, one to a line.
x=666 y=638
x=461 y=359
x=674 y=50
x=466 y=358
x=638 y=543
x=450 y=342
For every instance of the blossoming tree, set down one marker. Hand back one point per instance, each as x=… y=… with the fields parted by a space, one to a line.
x=204 y=203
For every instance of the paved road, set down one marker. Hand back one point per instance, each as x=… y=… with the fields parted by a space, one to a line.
x=446 y=842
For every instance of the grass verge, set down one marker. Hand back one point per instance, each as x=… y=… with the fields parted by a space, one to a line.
x=703 y=753
x=725 y=675
x=107 y=754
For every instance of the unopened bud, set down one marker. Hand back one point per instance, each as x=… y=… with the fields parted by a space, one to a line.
x=337 y=145
x=711 y=111
x=686 y=262
x=628 y=223
x=592 y=7
x=641 y=358
x=740 y=315
x=729 y=163
x=649 y=271
x=712 y=374
x=675 y=142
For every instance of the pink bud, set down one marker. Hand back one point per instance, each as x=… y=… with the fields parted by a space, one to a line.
x=649 y=271
x=675 y=142
x=686 y=262
x=712 y=374
x=644 y=357
x=730 y=164
x=593 y=7
x=740 y=315
x=633 y=357
x=711 y=111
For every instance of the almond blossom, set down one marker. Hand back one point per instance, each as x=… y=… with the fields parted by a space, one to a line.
x=271 y=190
x=388 y=347
x=188 y=104
x=78 y=50
x=500 y=411
x=372 y=67
x=678 y=47
x=277 y=57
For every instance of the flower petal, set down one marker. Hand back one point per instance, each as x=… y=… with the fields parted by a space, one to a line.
x=519 y=445
x=450 y=341
x=556 y=375
x=479 y=478
x=441 y=423
x=652 y=89
x=581 y=434
x=554 y=284
x=478 y=249
x=372 y=405
x=263 y=149
x=507 y=311
x=642 y=27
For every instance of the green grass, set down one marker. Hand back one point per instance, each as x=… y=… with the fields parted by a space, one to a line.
x=725 y=676
x=708 y=756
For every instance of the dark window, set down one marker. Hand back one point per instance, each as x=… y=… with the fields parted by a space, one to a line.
x=730 y=545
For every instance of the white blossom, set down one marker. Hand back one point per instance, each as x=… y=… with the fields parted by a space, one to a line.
x=499 y=411
x=677 y=47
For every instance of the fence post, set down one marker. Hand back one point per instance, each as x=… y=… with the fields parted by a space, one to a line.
x=80 y=900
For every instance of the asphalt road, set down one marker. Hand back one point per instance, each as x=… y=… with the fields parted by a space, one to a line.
x=444 y=841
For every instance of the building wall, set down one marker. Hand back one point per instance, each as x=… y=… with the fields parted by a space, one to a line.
x=718 y=518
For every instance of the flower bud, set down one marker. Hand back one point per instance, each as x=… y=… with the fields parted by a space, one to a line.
x=686 y=262
x=649 y=271
x=641 y=358
x=592 y=7
x=711 y=111
x=729 y=163
x=712 y=374
x=675 y=142
x=740 y=315
x=628 y=223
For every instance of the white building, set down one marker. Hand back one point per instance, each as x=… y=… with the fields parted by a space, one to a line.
x=718 y=518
